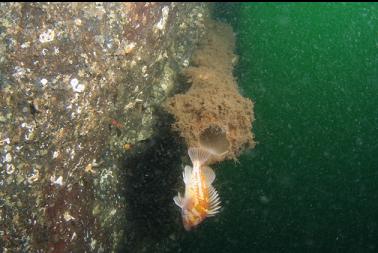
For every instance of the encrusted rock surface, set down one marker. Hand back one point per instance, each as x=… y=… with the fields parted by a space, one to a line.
x=78 y=87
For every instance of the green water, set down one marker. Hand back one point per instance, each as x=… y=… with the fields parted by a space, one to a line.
x=311 y=183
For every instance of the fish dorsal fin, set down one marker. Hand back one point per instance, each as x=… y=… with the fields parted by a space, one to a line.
x=187 y=174
x=208 y=174
x=214 y=202
x=198 y=155
x=178 y=200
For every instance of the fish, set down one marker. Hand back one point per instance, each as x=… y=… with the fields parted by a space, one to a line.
x=201 y=200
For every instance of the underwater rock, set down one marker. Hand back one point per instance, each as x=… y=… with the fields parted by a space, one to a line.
x=78 y=87
x=212 y=114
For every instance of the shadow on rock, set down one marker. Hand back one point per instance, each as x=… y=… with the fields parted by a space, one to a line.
x=152 y=171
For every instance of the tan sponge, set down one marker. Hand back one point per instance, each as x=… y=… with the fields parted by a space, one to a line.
x=212 y=114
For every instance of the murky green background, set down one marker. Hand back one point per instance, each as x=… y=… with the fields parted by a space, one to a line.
x=311 y=183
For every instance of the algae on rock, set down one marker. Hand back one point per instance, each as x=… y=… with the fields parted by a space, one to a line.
x=78 y=84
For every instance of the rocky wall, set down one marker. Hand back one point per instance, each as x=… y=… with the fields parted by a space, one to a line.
x=78 y=86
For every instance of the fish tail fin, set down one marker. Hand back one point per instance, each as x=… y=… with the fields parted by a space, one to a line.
x=199 y=155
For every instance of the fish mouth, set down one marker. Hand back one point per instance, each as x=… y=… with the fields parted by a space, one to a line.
x=187 y=224
x=214 y=139
x=187 y=227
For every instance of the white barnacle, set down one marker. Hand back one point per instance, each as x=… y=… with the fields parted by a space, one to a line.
x=8 y=157
x=76 y=86
x=10 y=169
x=47 y=36
x=58 y=181
x=144 y=69
x=6 y=140
x=19 y=71
x=44 y=82
x=78 y=109
x=163 y=21
x=25 y=45
x=78 y=22
x=34 y=177
x=129 y=105
x=67 y=216
x=55 y=154
x=29 y=134
x=56 y=50
x=185 y=63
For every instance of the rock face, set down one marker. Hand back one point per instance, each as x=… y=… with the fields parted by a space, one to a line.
x=212 y=114
x=78 y=87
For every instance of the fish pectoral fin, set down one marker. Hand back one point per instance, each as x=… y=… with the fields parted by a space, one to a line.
x=214 y=202
x=178 y=200
x=187 y=174
x=198 y=155
x=209 y=175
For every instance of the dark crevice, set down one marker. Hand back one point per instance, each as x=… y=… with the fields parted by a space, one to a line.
x=152 y=173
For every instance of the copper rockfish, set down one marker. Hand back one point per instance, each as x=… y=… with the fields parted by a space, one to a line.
x=201 y=200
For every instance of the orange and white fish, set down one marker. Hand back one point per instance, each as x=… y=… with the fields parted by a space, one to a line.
x=201 y=200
